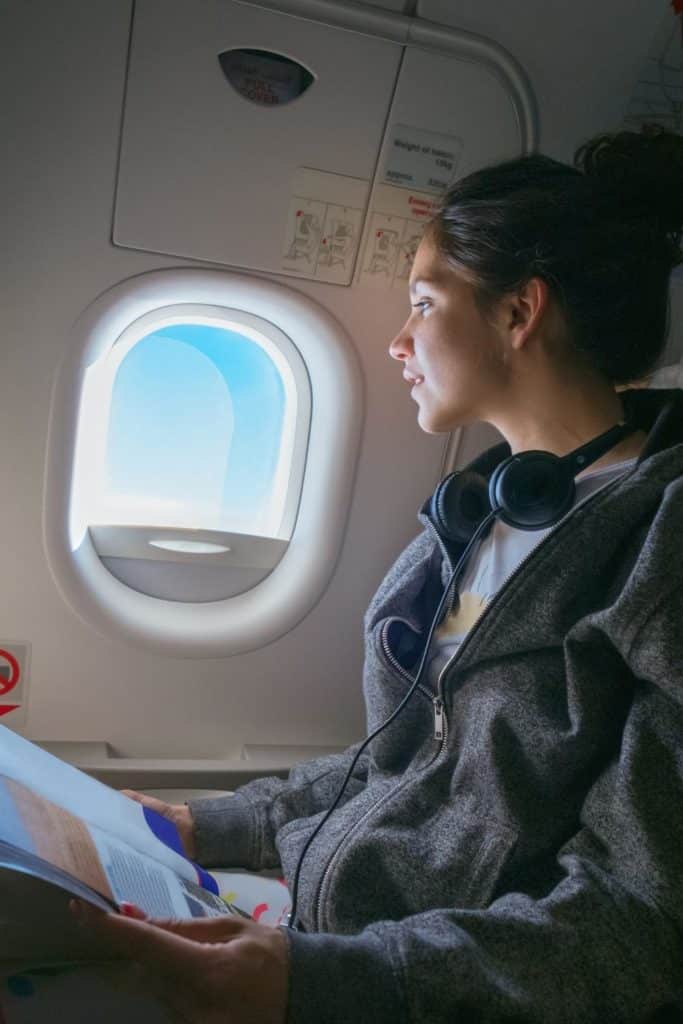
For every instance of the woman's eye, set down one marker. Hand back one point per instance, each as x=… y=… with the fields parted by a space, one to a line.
x=422 y=305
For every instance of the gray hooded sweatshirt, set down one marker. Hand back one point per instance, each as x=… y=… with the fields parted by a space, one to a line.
x=528 y=866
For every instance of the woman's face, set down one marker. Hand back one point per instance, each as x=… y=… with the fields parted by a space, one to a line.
x=453 y=357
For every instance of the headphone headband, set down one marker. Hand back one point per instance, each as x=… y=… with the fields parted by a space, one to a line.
x=590 y=452
x=531 y=490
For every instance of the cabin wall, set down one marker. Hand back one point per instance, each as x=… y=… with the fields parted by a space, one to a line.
x=66 y=68
x=64 y=65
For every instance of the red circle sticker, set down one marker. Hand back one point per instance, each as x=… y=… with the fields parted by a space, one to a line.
x=7 y=684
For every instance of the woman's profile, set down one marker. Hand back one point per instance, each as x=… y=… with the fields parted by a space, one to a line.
x=510 y=846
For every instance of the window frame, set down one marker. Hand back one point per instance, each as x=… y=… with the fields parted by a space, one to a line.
x=274 y=606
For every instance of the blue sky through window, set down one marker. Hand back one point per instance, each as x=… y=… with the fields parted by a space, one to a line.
x=195 y=429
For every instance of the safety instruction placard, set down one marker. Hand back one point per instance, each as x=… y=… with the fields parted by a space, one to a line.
x=416 y=159
x=395 y=226
x=324 y=225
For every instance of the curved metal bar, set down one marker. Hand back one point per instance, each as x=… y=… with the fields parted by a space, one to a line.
x=471 y=46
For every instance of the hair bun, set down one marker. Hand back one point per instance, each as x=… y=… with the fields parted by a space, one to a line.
x=643 y=172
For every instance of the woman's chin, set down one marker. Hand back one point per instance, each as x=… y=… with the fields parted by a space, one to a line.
x=432 y=423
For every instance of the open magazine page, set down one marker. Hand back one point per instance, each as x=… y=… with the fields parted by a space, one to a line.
x=115 y=850
x=44 y=831
x=135 y=826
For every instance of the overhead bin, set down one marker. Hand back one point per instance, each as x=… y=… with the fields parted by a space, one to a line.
x=209 y=172
x=242 y=145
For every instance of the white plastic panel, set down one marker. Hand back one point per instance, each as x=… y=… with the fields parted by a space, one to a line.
x=303 y=688
x=207 y=174
x=255 y=618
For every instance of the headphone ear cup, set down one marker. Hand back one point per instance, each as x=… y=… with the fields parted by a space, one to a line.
x=459 y=504
x=532 y=491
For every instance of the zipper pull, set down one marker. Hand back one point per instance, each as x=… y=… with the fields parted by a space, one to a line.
x=438 y=718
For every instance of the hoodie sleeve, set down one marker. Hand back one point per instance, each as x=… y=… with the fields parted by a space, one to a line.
x=604 y=945
x=240 y=830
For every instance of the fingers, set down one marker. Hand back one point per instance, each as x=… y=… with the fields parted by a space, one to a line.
x=168 y=945
x=171 y=955
x=147 y=801
x=195 y=968
x=130 y=910
x=206 y=929
x=134 y=795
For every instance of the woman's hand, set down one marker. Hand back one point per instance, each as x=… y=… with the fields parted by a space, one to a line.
x=179 y=814
x=219 y=970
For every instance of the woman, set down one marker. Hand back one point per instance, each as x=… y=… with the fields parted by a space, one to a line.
x=510 y=846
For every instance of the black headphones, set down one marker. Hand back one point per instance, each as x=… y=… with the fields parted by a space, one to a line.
x=530 y=491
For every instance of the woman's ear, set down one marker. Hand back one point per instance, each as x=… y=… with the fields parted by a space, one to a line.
x=526 y=309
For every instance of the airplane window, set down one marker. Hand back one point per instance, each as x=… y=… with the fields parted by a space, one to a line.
x=187 y=435
x=194 y=434
x=182 y=432
x=264 y=77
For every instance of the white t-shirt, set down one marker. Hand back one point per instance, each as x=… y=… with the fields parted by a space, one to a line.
x=491 y=563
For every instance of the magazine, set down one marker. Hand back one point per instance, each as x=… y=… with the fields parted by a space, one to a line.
x=63 y=834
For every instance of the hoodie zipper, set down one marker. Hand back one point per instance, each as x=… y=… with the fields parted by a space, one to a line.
x=317 y=904
x=440 y=716
x=395 y=664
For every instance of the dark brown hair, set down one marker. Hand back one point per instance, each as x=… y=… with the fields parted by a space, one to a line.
x=604 y=234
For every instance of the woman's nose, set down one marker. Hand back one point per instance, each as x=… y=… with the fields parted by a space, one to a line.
x=401 y=346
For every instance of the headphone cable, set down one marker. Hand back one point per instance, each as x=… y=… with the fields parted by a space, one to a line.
x=292 y=922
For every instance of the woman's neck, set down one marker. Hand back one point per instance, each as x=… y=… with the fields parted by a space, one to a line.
x=563 y=417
